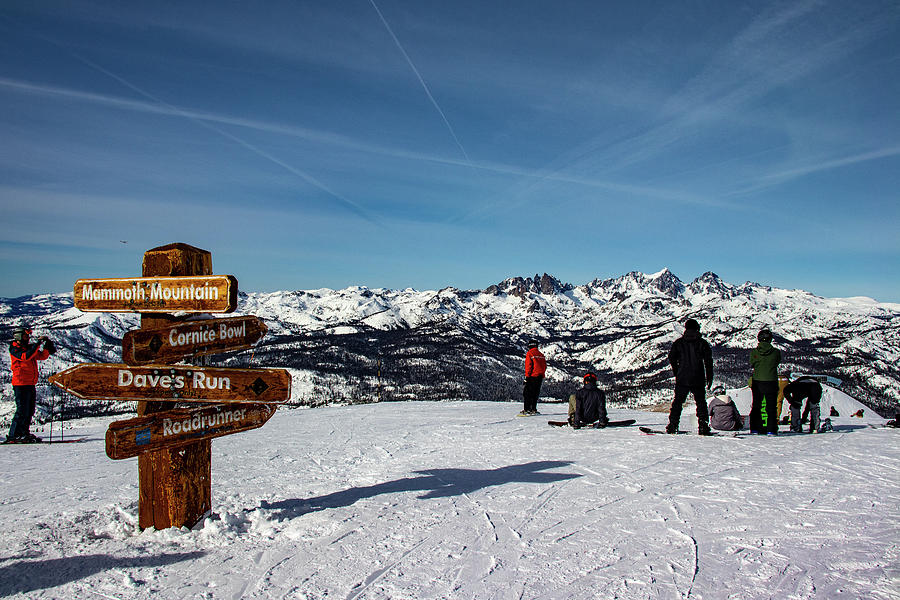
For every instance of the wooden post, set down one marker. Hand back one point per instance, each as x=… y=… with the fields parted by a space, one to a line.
x=175 y=486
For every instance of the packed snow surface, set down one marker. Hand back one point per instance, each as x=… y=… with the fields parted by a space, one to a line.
x=466 y=500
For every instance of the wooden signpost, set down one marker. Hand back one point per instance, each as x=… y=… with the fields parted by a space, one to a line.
x=174 y=383
x=173 y=444
x=191 y=338
x=126 y=439
x=207 y=294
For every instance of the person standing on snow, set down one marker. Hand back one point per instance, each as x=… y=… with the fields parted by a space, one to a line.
x=764 y=359
x=691 y=360
x=795 y=392
x=23 y=358
x=723 y=414
x=590 y=405
x=535 y=368
x=783 y=380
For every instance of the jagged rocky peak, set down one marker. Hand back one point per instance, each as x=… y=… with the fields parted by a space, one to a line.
x=710 y=283
x=667 y=282
x=519 y=286
x=636 y=282
x=548 y=284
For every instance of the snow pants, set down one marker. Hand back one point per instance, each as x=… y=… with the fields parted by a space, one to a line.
x=26 y=398
x=681 y=393
x=531 y=392
x=812 y=409
x=769 y=391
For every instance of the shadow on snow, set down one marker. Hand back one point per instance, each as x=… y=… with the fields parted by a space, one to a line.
x=436 y=483
x=25 y=575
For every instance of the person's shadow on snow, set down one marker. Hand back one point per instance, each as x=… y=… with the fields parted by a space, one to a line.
x=27 y=575
x=436 y=483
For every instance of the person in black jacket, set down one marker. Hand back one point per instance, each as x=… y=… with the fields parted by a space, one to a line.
x=590 y=405
x=798 y=390
x=691 y=360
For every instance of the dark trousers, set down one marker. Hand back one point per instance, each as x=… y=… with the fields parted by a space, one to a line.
x=769 y=391
x=531 y=392
x=26 y=397
x=681 y=393
x=811 y=409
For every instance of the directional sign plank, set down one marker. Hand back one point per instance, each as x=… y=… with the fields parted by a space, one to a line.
x=191 y=338
x=162 y=430
x=198 y=294
x=174 y=383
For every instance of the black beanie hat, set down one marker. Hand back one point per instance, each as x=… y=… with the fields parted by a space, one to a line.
x=691 y=325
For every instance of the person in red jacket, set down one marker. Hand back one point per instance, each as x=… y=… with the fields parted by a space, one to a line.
x=23 y=357
x=535 y=367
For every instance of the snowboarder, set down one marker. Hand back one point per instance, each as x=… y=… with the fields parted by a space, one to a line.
x=723 y=414
x=535 y=368
x=691 y=360
x=798 y=390
x=589 y=406
x=764 y=359
x=23 y=357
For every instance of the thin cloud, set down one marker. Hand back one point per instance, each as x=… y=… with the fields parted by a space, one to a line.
x=780 y=177
x=162 y=107
x=770 y=52
x=337 y=140
x=353 y=206
x=421 y=81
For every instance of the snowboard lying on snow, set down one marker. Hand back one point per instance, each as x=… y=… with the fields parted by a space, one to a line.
x=610 y=424
x=41 y=441
x=649 y=431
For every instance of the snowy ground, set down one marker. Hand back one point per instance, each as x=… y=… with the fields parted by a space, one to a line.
x=465 y=500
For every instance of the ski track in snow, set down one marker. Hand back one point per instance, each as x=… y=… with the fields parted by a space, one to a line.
x=459 y=500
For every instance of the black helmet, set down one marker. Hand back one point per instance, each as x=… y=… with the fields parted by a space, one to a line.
x=691 y=325
x=532 y=343
x=589 y=377
x=764 y=335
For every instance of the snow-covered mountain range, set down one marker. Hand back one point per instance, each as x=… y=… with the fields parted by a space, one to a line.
x=360 y=344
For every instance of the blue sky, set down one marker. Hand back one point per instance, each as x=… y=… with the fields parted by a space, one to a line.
x=426 y=144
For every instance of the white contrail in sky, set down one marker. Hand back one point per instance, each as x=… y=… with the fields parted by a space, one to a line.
x=171 y=109
x=422 y=81
x=324 y=137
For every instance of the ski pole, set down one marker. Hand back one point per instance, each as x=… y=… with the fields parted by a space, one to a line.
x=52 y=407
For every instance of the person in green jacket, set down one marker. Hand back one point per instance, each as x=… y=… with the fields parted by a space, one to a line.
x=764 y=359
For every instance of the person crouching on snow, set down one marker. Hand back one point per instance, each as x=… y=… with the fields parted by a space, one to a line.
x=723 y=414
x=795 y=392
x=590 y=405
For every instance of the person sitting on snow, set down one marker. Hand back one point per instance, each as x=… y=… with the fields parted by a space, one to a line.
x=590 y=405
x=723 y=414
x=798 y=390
